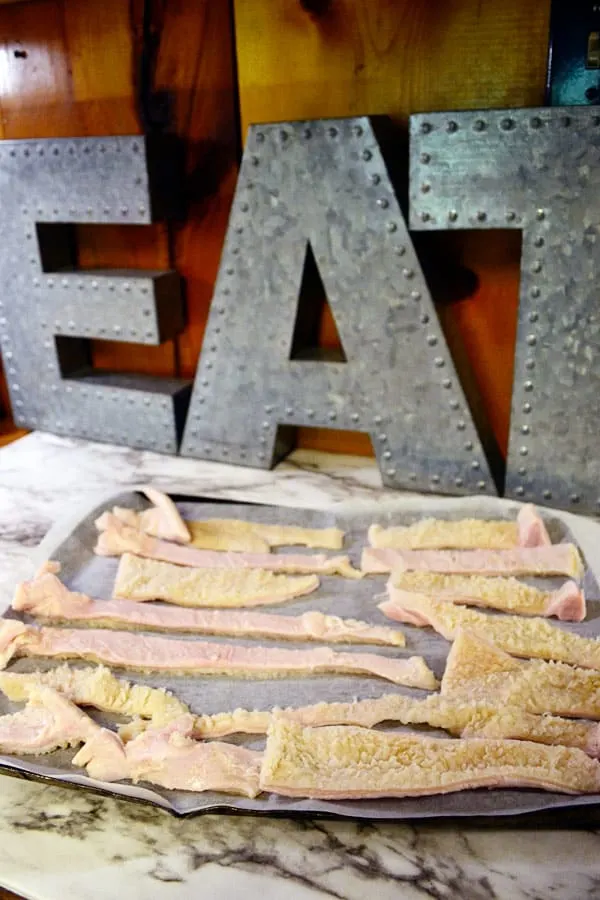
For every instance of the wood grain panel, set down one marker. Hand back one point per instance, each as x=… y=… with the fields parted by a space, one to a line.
x=35 y=85
x=304 y=58
x=100 y=48
x=195 y=69
x=316 y=58
x=8 y=895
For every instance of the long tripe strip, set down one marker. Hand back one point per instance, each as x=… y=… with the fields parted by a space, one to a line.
x=48 y=722
x=465 y=534
x=459 y=717
x=147 y=579
x=148 y=653
x=557 y=559
x=478 y=671
x=120 y=538
x=506 y=594
x=254 y=537
x=530 y=638
x=47 y=598
x=346 y=763
x=96 y=686
x=170 y=758
x=164 y=521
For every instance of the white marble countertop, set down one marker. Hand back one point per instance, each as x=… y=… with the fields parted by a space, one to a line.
x=58 y=844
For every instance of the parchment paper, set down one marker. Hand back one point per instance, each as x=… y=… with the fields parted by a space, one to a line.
x=72 y=544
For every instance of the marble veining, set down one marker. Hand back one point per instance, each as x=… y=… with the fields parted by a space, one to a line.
x=59 y=843
x=72 y=843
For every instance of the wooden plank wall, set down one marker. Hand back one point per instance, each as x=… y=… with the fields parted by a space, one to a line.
x=71 y=67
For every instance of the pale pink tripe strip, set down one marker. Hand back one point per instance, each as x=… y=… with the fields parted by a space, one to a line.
x=556 y=559
x=150 y=653
x=46 y=597
x=118 y=538
x=170 y=758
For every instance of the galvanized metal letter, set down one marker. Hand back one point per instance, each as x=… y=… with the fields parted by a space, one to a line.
x=325 y=183
x=52 y=385
x=536 y=170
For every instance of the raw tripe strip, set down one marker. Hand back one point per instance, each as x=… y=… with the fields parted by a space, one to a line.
x=12 y=633
x=530 y=638
x=566 y=603
x=239 y=721
x=236 y=534
x=119 y=538
x=343 y=762
x=149 y=653
x=557 y=559
x=147 y=579
x=465 y=534
x=167 y=757
x=478 y=671
x=48 y=722
x=96 y=686
x=46 y=597
x=457 y=716
x=229 y=534
x=161 y=520
x=170 y=758
x=517 y=724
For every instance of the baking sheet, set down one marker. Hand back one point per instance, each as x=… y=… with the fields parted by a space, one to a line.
x=72 y=544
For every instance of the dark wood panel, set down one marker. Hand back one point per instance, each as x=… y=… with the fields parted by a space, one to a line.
x=7 y=895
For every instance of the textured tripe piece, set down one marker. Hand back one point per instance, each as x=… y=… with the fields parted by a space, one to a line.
x=458 y=717
x=119 y=538
x=48 y=722
x=339 y=762
x=254 y=537
x=465 y=534
x=161 y=520
x=12 y=633
x=239 y=721
x=478 y=671
x=556 y=559
x=437 y=534
x=149 y=653
x=517 y=724
x=46 y=597
x=170 y=758
x=147 y=579
x=527 y=637
x=506 y=594
x=96 y=686
x=225 y=534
